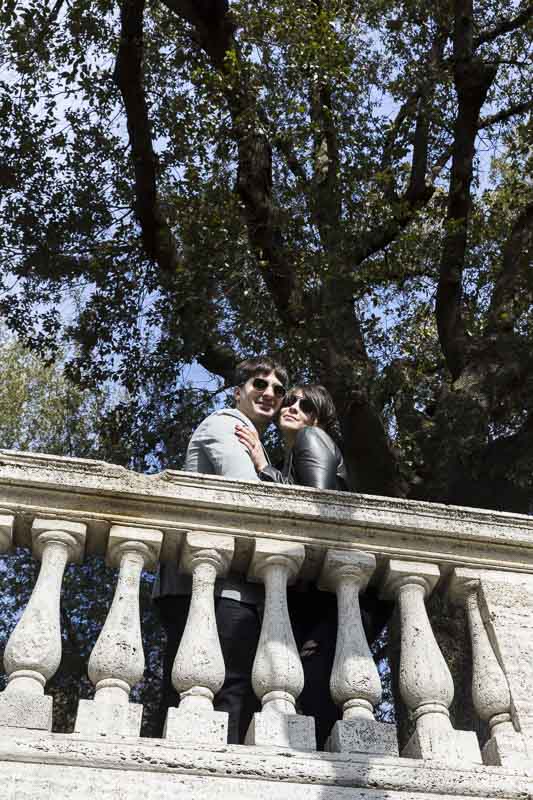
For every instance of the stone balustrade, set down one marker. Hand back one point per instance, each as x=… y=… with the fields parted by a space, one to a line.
x=483 y=561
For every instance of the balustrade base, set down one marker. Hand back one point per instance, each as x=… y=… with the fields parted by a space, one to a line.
x=111 y=719
x=363 y=736
x=196 y=727
x=282 y=730
x=506 y=750
x=66 y=767
x=25 y=710
x=451 y=746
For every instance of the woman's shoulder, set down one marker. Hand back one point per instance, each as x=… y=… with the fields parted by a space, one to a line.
x=313 y=435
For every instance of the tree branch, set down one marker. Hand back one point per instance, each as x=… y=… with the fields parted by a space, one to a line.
x=157 y=237
x=503 y=311
x=213 y=29
x=212 y=25
x=405 y=111
x=505 y=113
x=404 y=212
x=418 y=192
x=219 y=360
x=472 y=80
x=282 y=143
x=504 y=26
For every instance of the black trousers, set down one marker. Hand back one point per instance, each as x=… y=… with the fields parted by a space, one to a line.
x=314 y=620
x=239 y=626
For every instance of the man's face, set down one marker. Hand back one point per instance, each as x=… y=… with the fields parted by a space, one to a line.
x=260 y=398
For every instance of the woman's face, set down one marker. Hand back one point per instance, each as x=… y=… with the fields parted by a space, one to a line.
x=292 y=417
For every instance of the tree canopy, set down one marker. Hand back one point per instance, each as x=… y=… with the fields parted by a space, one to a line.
x=344 y=184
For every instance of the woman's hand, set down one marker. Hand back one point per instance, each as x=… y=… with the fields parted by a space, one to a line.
x=250 y=439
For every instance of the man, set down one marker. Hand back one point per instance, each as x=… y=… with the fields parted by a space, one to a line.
x=214 y=449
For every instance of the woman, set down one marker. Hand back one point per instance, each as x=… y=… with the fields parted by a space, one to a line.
x=306 y=421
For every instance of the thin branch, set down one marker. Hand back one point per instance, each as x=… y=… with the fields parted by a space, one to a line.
x=419 y=191
x=404 y=212
x=51 y=19
x=404 y=113
x=505 y=113
x=504 y=26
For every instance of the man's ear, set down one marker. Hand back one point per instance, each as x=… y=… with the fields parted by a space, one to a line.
x=237 y=395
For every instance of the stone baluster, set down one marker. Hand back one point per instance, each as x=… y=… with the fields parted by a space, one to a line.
x=426 y=684
x=117 y=660
x=277 y=675
x=198 y=672
x=6 y=531
x=355 y=683
x=490 y=690
x=33 y=652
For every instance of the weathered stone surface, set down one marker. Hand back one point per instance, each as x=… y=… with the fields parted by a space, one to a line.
x=122 y=537
x=198 y=671
x=363 y=736
x=26 y=710
x=434 y=741
x=95 y=492
x=109 y=719
x=62 y=767
x=507 y=749
x=355 y=683
x=282 y=730
x=33 y=652
x=426 y=684
x=117 y=660
x=6 y=531
x=506 y=604
x=200 y=728
x=45 y=766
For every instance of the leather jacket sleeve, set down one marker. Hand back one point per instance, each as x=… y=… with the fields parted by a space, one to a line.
x=314 y=459
x=273 y=475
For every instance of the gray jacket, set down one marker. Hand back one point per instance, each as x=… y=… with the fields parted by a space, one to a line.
x=215 y=450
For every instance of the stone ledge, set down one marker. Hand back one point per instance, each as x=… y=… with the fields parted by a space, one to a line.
x=59 y=765
x=99 y=495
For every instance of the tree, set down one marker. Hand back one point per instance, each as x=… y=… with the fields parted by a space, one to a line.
x=296 y=177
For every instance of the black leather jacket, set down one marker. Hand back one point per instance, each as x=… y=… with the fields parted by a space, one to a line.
x=315 y=460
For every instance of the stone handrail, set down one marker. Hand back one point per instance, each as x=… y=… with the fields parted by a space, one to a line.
x=64 y=507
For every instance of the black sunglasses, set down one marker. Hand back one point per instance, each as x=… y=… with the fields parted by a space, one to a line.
x=306 y=405
x=261 y=384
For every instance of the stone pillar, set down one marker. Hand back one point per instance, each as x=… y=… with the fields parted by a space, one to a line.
x=6 y=531
x=117 y=660
x=490 y=690
x=33 y=652
x=355 y=683
x=277 y=674
x=425 y=682
x=198 y=671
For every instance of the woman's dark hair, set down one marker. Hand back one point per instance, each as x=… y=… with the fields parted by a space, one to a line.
x=326 y=413
x=259 y=366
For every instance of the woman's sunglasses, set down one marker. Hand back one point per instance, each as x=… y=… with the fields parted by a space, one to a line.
x=260 y=384
x=306 y=406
